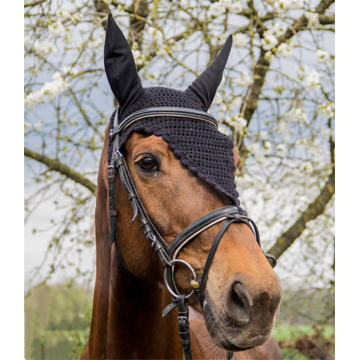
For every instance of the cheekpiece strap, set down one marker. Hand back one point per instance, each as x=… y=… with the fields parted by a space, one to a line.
x=183 y=322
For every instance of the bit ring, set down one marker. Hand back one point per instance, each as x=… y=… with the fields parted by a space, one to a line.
x=173 y=292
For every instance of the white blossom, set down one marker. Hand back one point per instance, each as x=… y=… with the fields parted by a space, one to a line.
x=327 y=109
x=263 y=135
x=322 y=56
x=218 y=99
x=34 y=98
x=162 y=50
x=27 y=41
x=312 y=80
x=281 y=148
x=297 y=114
x=326 y=132
x=216 y=9
x=245 y=79
x=37 y=126
x=64 y=14
x=301 y=72
x=238 y=123
x=236 y=7
x=286 y=5
x=155 y=35
x=224 y=129
x=245 y=181
x=139 y=57
x=223 y=107
x=202 y=17
x=232 y=5
x=267 y=147
x=267 y=192
x=278 y=29
x=70 y=70
x=185 y=4
x=269 y=40
x=259 y=157
x=285 y=50
x=269 y=56
x=56 y=87
x=282 y=127
x=76 y=17
x=254 y=147
x=49 y=90
x=95 y=43
x=44 y=48
x=240 y=40
x=175 y=46
x=313 y=19
x=57 y=28
x=306 y=167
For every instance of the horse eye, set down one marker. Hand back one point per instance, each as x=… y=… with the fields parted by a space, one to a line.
x=148 y=164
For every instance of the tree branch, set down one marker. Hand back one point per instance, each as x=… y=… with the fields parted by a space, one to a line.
x=56 y=165
x=136 y=31
x=249 y=105
x=316 y=208
x=34 y=3
x=326 y=19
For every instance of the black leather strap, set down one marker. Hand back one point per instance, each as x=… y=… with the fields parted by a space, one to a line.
x=162 y=111
x=183 y=322
x=202 y=224
x=210 y=259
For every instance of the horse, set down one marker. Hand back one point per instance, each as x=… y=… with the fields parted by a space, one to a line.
x=230 y=285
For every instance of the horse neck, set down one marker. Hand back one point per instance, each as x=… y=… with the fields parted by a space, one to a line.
x=136 y=328
x=127 y=317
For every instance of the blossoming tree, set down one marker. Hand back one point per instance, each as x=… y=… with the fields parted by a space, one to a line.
x=276 y=101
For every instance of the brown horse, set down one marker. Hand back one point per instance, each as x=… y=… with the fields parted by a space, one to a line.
x=242 y=291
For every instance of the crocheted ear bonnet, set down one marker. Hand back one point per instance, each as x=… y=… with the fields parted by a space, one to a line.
x=199 y=146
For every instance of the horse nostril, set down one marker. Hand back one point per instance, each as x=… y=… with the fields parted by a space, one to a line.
x=238 y=304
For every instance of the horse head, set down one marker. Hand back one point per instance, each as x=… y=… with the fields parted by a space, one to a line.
x=182 y=169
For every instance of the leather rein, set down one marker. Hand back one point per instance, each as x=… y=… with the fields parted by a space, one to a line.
x=168 y=253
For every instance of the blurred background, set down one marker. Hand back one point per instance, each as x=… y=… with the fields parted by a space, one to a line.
x=276 y=101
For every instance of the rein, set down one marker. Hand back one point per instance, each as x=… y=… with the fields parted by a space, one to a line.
x=168 y=252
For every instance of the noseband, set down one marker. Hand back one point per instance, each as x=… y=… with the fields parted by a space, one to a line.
x=168 y=253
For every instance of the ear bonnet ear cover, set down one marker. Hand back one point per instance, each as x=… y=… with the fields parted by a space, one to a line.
x=205 y=86
x=199 y=146
x=120 y=66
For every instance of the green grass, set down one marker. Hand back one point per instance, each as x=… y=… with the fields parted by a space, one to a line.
x=57 y=320
x=288 y=332
x=293 y=354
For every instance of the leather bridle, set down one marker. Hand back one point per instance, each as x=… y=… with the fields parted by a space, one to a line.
x=168 y=253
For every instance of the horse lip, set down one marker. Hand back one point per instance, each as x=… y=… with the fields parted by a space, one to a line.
x=224 y=342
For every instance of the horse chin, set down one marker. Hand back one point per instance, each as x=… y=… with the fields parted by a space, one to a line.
x=228 y=336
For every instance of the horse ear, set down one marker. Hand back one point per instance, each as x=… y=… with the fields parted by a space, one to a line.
x=205 y=86
x=120 y=66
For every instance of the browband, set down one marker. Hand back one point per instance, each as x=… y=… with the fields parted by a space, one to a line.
x=160 y=111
